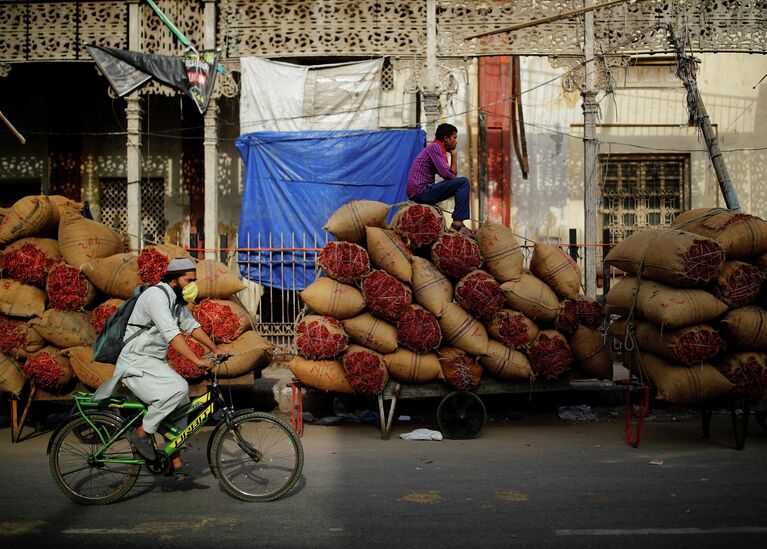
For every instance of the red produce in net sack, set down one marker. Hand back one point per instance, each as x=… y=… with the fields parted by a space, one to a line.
x=223 y=321
x=13 y=335
x=49 y=370
x=418 y=225
x=365 y=371
x=344 y=261
x=68 y=289
x=27 y=264
x=513 y=329
x=480 y=294
x=183 y=366
x=102 y=313
x=456 y=255
x=418 y=330
x=567 y=320
x=320 y=337
x=590 y=313
x=386 y=297
x=152 y=265
x=550 y=355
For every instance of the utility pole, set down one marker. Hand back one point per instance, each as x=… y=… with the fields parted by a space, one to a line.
x=590 y=153
x=430 y=92
x=210 y=146
x=133 y=153
x=685 y=70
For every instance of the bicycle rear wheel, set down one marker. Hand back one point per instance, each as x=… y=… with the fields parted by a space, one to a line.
x=264 y=464
x=78 y=475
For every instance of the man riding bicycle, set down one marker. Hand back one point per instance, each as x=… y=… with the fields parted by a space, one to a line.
x=160 y=315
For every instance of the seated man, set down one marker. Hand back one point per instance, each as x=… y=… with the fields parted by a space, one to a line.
x=432 y=161
x=142 y=365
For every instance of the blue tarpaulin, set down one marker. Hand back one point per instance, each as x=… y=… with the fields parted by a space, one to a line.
x=294 y=181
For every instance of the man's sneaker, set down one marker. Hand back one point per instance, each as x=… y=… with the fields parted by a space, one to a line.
x=143 y=444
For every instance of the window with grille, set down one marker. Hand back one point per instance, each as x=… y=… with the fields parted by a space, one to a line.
x=114 y=211
x=387 y=75
x=641 y=191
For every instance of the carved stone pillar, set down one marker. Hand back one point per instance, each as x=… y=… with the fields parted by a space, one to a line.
x=210 y=145
x=133 y=114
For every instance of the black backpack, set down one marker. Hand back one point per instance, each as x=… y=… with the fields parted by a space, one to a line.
x=109 y=343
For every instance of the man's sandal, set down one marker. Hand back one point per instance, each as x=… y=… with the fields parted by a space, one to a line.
x=182 y=473
x=464 y=230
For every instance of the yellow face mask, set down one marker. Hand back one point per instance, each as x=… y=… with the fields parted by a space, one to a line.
x=190 y=291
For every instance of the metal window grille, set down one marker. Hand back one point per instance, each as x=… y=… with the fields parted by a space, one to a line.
x=642 y=191
x=114 y=199
x=387 y=75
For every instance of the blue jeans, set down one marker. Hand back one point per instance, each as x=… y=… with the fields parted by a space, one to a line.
x=457 y=187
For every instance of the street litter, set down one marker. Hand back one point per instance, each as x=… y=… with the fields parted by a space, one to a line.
x=581 y=412
x=422 y=434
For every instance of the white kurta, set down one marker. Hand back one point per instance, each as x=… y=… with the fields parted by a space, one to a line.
x=141 y=365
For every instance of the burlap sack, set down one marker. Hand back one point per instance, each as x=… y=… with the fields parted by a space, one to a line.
x=52 y=380
x=617 y=330
x=683 y=385
x=501 y=250
x=461 y=330
x=83 y=240
x=250 y=352
x=742 y=236
x=591 y=352
x=223 y=319
x=29 y=216
x=532 y=297
x=116 y=275
x=49 y=246
x=326 y=375
x=431 y=289
x=406 y=366
x=372 y=332
x=620 y=296
x=319 y=337
x=745 y=329
x=748 y=371
x=21 y=300
x=418 y=225
x=513 y=329
x=349 y=221
x=666 y=306
x=687 y=345
x=459 y=369
x=18 y=338
x=389 y=253
x=557 y=269
x=171 y=251
x=65 y=206
x=64 y=329
x=504 y=362
x=670 y=256
x=11 y=378
x=93 y=374
x=365 y=369
x=216 y=280
x=326 y=296
x=737 y=284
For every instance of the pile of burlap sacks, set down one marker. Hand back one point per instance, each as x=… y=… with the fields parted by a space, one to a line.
x=62 y=277
x=417 y=303
x=691 y=318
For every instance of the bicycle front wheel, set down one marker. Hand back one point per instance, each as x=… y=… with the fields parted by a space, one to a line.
x=81 y=476
x=260 y=459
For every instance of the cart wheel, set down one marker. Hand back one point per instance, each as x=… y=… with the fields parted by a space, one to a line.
x=761 y=418
x=461 y=415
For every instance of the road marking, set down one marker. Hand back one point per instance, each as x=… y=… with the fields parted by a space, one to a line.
x=511 y=495
x=423 y=497
x=80 y=531
x=16 y=528
x=661 y=531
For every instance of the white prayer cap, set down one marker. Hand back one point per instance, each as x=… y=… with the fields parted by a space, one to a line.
x=181 y=265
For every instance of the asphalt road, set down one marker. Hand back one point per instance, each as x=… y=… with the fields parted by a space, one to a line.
x=535 y=482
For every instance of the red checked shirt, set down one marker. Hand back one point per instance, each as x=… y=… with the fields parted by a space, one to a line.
x=429 y=162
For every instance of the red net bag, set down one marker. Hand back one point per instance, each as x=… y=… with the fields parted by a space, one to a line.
x=320 y=337
x=696 y=346
x=152 y=265
x=182 y=365
x=550 y=355
x=459 y=369
x=418 y=225
x=27 y=264
x=344 y=261
x=513 y=329
x=49 y=370
x=102 y=313
x=737 y=284
x=222 y=320
x=748 y=372
x=13 y=335
x=480 y=294
x=567 y=320
x=365 y=371
x=456 y=255
x=386 y=297
x=68 y=289
x=418 y=330
x=590 y=313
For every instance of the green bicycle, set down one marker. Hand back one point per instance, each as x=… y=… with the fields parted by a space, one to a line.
x=255 y=456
